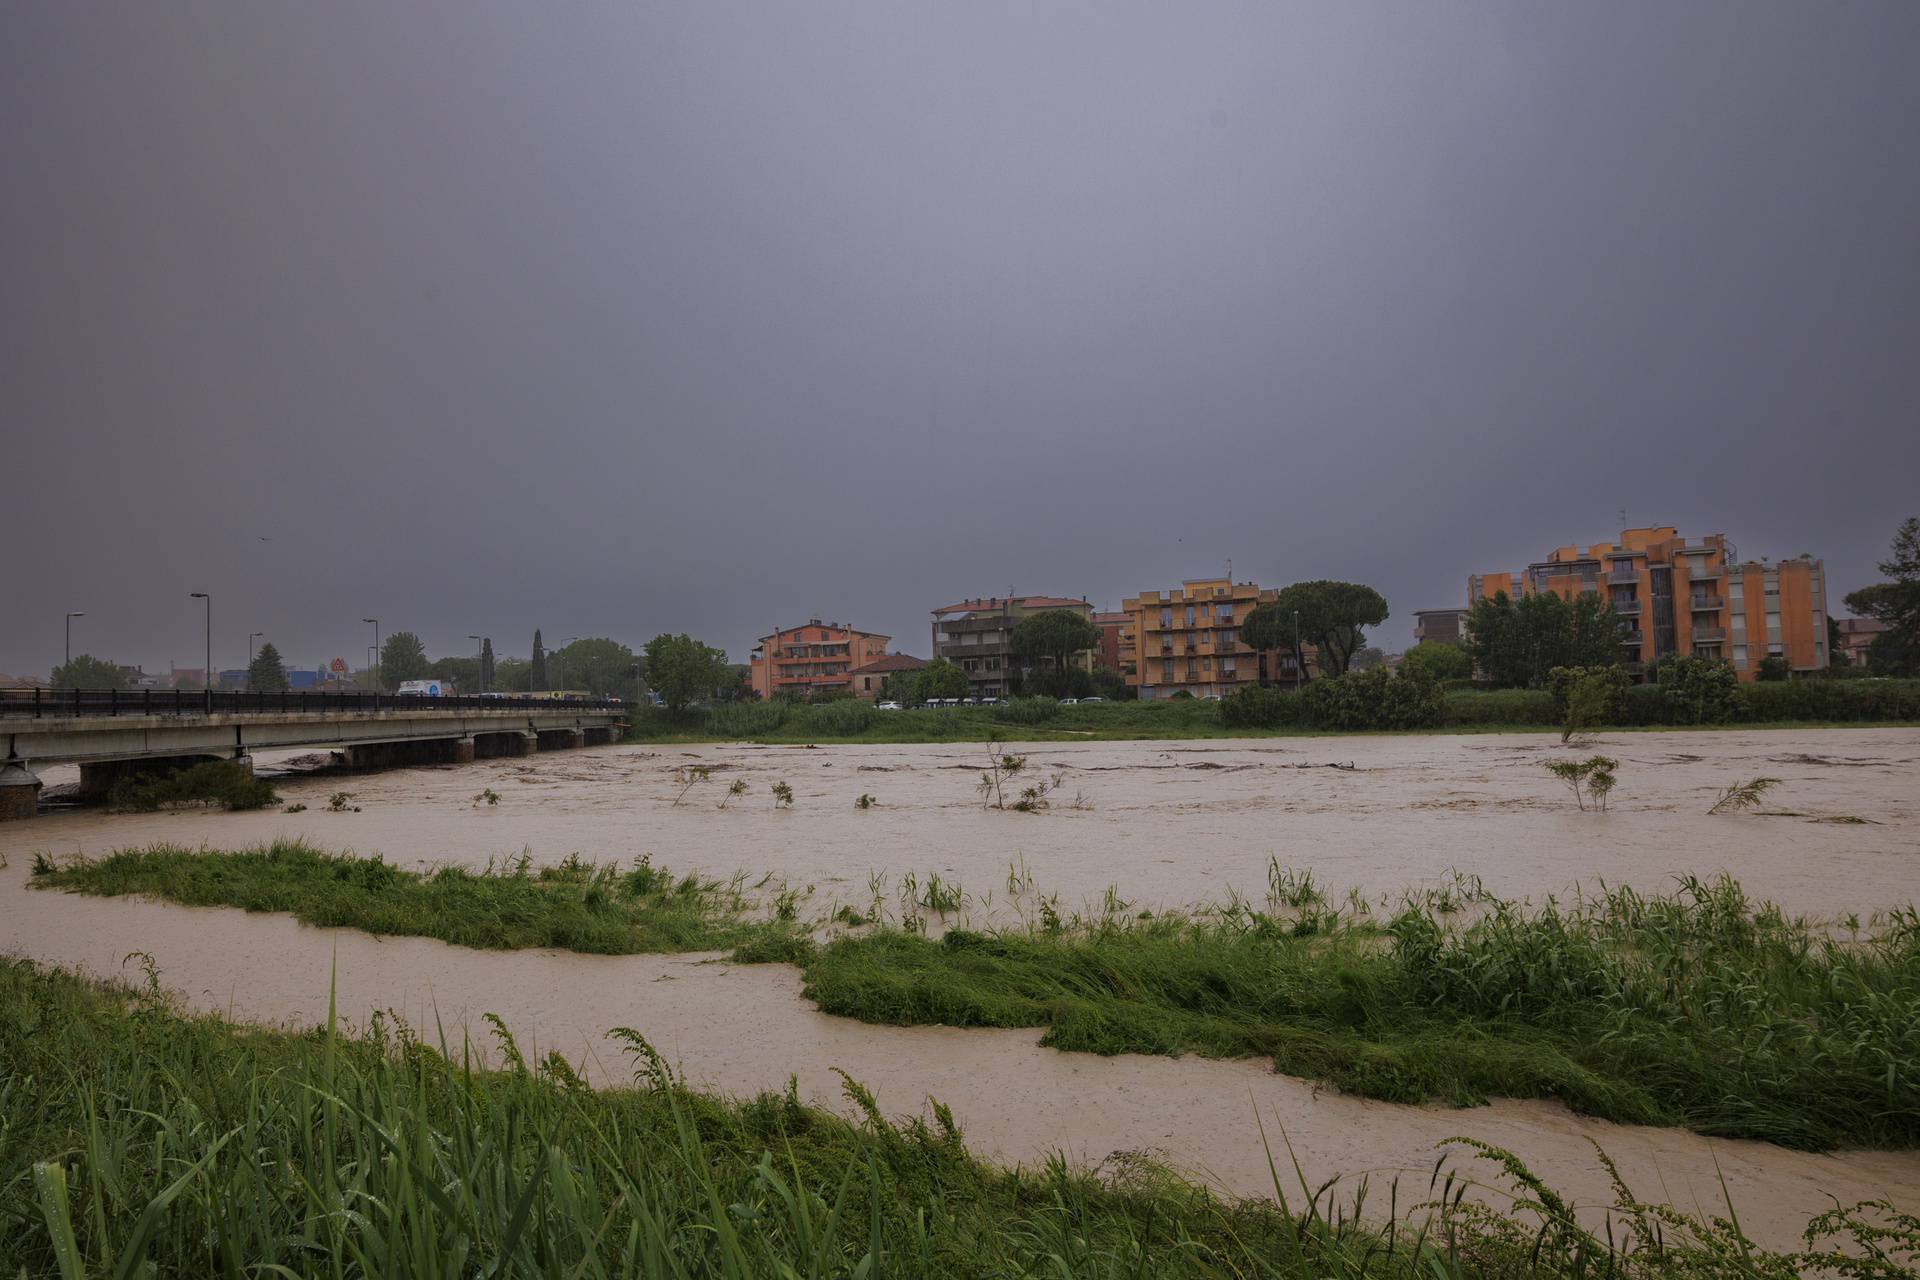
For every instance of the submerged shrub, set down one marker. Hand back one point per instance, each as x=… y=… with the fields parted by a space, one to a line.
x=1256 y=708
x=212 y=782
x=1372 y=699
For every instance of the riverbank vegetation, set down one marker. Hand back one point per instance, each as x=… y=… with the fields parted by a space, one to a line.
x=1701 y=1009
x=139 y=1141
x=572 y=905
x=1368 y=701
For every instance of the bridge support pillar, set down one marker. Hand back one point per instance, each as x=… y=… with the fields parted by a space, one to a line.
x=460 y=751
x=561 y=739
x=98 y=778
x=19 y=790
x=600 y=735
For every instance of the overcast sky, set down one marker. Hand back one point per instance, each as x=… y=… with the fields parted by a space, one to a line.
x=621 y=318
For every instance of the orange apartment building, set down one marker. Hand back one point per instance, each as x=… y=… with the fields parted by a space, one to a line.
x=1675 y=596
x=818 y=658
x=1189 y=639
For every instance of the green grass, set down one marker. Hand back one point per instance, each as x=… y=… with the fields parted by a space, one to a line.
x=211 y=782
x=135 y=1141
x=1700 y=1009
x=573 y=906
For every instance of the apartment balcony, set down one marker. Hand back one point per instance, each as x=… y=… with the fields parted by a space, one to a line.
x=1709 y=635
x=1625 y=579
x=1626 y=607
x=1707 y=604
x=1713 y=574
x=1632 y=637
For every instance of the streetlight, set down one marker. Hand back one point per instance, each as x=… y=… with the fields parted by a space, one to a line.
x=251 y=637
x=479 y=667
x=70 y=618
x=201 y=595
x=373 y=672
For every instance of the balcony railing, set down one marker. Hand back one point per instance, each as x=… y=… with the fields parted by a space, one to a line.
x=1706 y=604
x=1713 y=574
x=1624 y=579
x=1705 y=635
x=1632 y=637
x=1626 y=606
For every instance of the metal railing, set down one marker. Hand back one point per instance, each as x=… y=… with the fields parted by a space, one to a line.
x=42 y=703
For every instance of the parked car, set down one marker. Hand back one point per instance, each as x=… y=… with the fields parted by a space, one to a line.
x=1095 y=698
x=890 y=705
x=1070 y=702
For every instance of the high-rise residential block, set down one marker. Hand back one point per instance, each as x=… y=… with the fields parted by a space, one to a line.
x=1189 y=639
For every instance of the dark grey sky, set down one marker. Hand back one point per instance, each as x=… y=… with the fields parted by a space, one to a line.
x=616 y=318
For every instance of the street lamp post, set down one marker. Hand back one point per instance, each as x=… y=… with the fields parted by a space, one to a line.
x=208 y=682
x=479 y=671
x=70 y=618
x=372 y=669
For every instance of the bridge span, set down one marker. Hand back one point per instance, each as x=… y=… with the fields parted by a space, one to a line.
x=112 y=733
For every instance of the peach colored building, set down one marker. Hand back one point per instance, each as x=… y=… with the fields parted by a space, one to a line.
x=817 y=658
x=1676 y=596
x=1111 y=626
x=1189 y=639
x=977 y=636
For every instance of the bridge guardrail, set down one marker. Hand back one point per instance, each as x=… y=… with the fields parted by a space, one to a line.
x=40 y=703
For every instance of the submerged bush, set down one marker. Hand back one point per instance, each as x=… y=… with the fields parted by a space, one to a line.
x=1372 y=699
x=211 y=782
x=1256 y=708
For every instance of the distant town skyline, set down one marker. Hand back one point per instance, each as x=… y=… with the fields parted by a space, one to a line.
x=714 y=318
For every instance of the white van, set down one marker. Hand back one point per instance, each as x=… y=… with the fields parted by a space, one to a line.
x=425 y=688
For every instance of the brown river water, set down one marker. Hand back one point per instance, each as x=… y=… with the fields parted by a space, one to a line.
x=1163 y=823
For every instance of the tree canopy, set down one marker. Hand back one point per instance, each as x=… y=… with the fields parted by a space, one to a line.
x=1047 y=643
x=486 y=665
x=1895 y=651
x=681 y=670
x=940 y=679
x=537 y=666
x=1438 y=660
x=402 y=657
x=602 y=667
x=1333 y=616
x=267 y=674
x=1519 y=643
x=89 y=672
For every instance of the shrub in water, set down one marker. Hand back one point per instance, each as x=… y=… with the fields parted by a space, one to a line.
x=1257 y=708
x=1372 y=699
x=221 y=782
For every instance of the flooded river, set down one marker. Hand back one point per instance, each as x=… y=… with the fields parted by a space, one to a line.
x=1165 y=824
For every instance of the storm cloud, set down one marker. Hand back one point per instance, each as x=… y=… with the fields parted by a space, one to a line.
x=622 y=318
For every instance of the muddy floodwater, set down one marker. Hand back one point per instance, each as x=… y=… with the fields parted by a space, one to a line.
x=1162 y=824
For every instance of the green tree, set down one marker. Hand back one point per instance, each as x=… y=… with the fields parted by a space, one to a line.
x=1594 y=627
x=681 y=670
x=402 y=657
x=486 y=665
x=1052 y=638
x=1700 y=690
x=1771 y=668
x=1438 y=660
x=537 y=666
x=267 y=674
x=1332 y=618
x=463 y=673
x=1366 y=658
x=1545 y=625
x=602 y=667
x=939 y=679
x=511 y=675
x=89 y=672
x=1895 y=651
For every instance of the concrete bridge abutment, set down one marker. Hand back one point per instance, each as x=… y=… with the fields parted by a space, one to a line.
x=600 y=735
x=562 y=739
x=19 y=790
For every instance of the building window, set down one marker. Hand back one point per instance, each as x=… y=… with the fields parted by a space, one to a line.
x=1226 y=638
x=1166 y=669
x=1166 y=618
x=1189 y=615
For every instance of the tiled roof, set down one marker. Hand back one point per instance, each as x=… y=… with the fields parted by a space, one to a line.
x=1106 y=619
x=891 y=662
x=1019 y=602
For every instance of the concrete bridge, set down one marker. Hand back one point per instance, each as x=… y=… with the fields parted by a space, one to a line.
x=113 y=734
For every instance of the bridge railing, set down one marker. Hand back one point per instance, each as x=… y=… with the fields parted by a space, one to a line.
x=40 y=703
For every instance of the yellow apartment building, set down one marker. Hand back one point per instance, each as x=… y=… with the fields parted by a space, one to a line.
x=1189 y=639
x=1676 y=596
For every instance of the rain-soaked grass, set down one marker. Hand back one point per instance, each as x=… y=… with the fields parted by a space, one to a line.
x=1699 y=1009
x=137 y=1141
x=572 y=905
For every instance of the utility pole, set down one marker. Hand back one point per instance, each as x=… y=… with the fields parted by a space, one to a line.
x=1299 y=659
